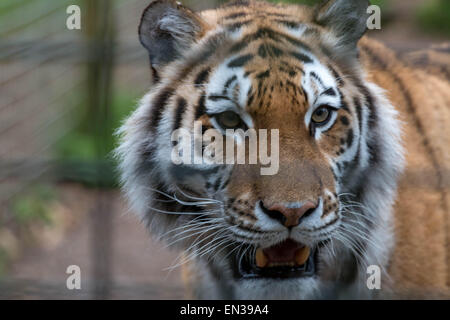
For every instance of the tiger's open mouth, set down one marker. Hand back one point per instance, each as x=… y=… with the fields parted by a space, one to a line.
x=289 y=259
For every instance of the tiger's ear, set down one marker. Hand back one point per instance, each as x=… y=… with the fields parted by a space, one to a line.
x=167 y=29
x=347 y=19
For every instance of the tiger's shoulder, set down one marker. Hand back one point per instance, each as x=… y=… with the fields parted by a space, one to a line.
x=434 y=60
x=418 y=85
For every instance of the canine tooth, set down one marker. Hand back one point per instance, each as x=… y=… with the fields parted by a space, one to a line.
x=302 y=255
x=261 y=259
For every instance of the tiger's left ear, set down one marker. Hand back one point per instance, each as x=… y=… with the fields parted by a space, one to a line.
x=347 y=19
x=167 y=29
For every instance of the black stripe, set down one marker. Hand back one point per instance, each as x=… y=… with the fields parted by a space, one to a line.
x=237 y=3
x=217 y=184
x=288 y=69
x=200 y=109
x=217 y=97
x=263 y=75
x=238 y=47
x=293 y=85
x=269 y=50
x=336 y=75
x=300 y=56
x=240 y=61
x=355 y=162
x=226 y=183
x=369 y=101
x=376 y=59
x=250 y=99
x=155 y=75
x=228 y=83
x=181 y=108
x=202 y=76
x=146 y=163
x=315 y=76
x=262 y=51
x=289 y=24
x=374 y=152
x=359 y=113
x=259 y=90
x=235 y=15
x=234 y=26
x=373 y=147
x=344 y=104
x=158 y=106
x=330 y=92
x=208 y=49
x=281 y=15
x=350 y=137
x=273 y=35
x=345 y=120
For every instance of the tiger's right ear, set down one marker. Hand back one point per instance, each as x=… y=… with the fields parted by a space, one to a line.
x=166 y=30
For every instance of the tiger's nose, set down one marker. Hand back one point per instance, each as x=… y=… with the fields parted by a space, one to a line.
x=291 y=215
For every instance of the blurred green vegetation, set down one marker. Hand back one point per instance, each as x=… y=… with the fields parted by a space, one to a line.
x=381 y=3
x=7 y=5
x=85 y=154
x=434 y=16
x=29 y=209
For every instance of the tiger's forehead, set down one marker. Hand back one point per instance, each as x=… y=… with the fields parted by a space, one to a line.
x=295 y=20
x=268 y=64
x=237 y=15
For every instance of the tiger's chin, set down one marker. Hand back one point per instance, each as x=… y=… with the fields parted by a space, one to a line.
x=279 y=289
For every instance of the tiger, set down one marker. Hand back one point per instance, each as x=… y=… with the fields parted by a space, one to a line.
x=359 y=205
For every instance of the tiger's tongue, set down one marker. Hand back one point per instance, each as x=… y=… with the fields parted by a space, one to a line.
x=283 y=252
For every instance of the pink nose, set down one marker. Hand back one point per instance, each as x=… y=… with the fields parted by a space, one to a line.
x=290 y=217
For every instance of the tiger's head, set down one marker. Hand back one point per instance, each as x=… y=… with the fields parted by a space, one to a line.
x=309 y=228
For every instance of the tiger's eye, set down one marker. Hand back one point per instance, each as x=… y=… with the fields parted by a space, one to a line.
x=229 y=120
x=321 y=115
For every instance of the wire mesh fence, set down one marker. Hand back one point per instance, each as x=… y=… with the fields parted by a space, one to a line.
x=56 y=121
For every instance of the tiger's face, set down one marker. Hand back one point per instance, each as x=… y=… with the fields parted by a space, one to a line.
x=299 y=231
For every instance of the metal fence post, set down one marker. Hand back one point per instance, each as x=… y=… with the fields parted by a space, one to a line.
x=100 y=37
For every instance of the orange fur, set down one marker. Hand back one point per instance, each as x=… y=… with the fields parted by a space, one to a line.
x=421 y=262
x=416 y=84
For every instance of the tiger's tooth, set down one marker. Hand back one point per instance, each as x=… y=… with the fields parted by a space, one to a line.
x=261 y=259
x=302 y=255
